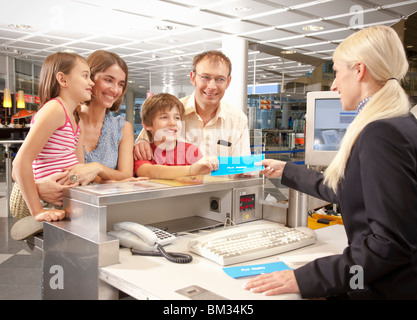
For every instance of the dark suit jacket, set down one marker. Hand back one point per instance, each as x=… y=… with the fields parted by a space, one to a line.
x=378 y=202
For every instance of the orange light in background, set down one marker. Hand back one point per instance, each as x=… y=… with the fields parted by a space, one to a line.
x=20 y=99
x=7 y=99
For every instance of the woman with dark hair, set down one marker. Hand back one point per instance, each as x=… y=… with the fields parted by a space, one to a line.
x=108 y=140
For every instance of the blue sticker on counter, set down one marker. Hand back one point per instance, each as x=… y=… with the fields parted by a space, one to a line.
x=236 y=165
x=254 y=270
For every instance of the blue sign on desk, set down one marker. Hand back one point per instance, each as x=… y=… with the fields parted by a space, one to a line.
x=236 y=165
x=254 y=270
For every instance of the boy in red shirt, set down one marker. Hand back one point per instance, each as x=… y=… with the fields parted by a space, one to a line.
x=162 y=119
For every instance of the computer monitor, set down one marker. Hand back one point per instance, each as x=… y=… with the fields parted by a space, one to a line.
x=326 y=124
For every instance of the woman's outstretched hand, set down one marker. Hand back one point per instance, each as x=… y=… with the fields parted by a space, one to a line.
x=273 y=168
x=278 y=282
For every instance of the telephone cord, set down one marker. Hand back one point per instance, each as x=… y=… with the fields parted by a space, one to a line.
x=175 y=257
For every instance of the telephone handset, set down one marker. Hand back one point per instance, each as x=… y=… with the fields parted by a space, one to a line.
x=144 y=240
x=141 y=237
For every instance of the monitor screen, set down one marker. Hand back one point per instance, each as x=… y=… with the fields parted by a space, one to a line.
x=326 y=124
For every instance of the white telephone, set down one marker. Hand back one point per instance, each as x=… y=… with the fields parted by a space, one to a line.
x=137 y=236
x=140 y=239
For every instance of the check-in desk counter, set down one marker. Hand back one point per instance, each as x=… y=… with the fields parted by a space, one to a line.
x=82 y=262
x=78 y=246
x=156 y=278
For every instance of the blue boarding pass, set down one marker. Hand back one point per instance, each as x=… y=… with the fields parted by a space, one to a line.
x=237 y=165
x=254 y=270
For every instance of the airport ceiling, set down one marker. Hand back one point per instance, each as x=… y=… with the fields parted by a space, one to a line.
x=158 y=39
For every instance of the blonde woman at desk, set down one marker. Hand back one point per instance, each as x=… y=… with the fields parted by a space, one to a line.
x=373 y=178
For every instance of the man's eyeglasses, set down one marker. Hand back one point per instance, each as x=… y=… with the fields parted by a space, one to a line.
x=207 y=79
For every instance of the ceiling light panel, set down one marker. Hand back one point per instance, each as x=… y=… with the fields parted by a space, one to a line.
x=51 y=41
x=312 y=28
x=143 y=47
x=362 y=18
x=243 y=8
x=167 y=12
x=297 y=3
x=271 y=34
x=332 y=8
x=280 y=18
x=325 y=24
x=30 y=45
x=314 y=46
x=234 y=27
x=110 y=41
x=190 y=39
x=190 y=3
x=90 y=46
x=128 y=28
x=69 y=34
x=334 y=35
x=298 y=42
x=11 y=34
x=14 y=15
x=405 y=8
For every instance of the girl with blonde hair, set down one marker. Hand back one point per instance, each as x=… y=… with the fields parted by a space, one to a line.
x=373 y=179
x=52 y=142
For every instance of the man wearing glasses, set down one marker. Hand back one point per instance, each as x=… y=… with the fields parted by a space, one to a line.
x=216 y=127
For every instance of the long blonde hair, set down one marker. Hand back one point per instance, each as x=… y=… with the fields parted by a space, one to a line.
x=382 y=52
x=49 y=87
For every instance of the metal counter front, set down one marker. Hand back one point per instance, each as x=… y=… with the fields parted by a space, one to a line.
x=77 y=247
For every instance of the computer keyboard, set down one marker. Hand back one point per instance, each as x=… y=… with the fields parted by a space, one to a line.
x=248 y=242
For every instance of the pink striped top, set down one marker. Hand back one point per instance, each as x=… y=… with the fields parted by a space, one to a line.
x=59 y=151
